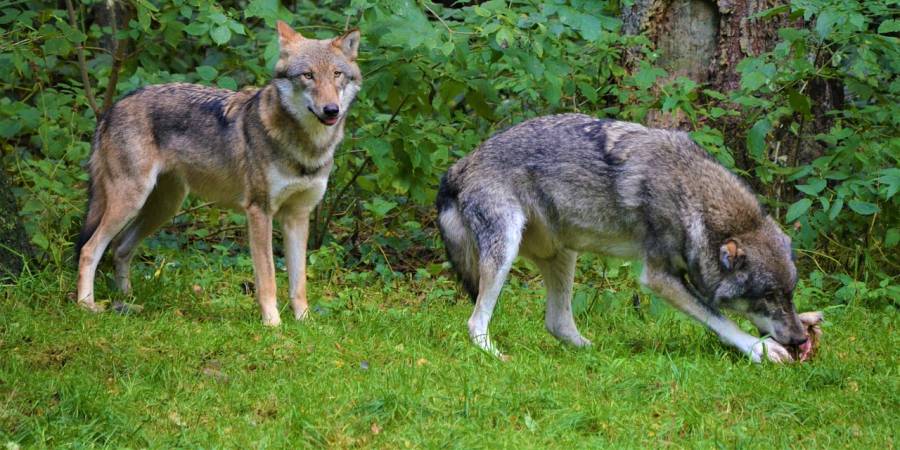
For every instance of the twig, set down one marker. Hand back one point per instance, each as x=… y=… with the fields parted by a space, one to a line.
x=192 y=209
x=119 y=58
x=436 y=16
x=88 y=92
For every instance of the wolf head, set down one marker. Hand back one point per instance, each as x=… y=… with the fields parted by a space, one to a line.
x=758 y=280
x=317 y=78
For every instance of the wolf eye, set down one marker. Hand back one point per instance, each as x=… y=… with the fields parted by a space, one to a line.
x=307 y=75
x=338 y=73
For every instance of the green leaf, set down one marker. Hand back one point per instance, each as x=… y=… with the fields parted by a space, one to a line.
x=380 y=151
x=379 y=207
x=207 y=73
x=589 y=27
x=891 y=237
x=863 y=208
x=891 y=180
x=836 y=208
x=797 y=209
x=226 y=82
x=218 y=17
x=237 y=27
x=837 y=175
x=143 y=15
x=504 y=37
x=196 y=29
x=756 y=138
x=781 y=9
x=752 y=81
x=814 y=187
x=264 y=9
x=588 y=91
x=647 y=75
x=40 y=240
x=57 y=46
x=799 y=102
x=889 y=26
x=73 y=35
x=825 y=23
x=220 y=35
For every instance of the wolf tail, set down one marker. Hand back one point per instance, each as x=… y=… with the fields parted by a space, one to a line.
x=458 y=239
x=96 y=202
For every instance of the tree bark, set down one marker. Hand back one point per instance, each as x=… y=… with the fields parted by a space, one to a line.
x=705 y=40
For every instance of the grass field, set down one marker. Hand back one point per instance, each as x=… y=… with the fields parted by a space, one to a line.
x=389 y=365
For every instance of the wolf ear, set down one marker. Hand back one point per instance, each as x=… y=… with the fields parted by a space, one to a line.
x=286 y=34
x=731 y=255
x=348 y=43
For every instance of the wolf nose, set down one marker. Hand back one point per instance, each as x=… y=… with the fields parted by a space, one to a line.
x=331 y=110
x=798 y=342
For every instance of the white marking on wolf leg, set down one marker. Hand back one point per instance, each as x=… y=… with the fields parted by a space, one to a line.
x=484 y=309
x=770 y=349
x=491 y=283
x=559 y=274
x=671 y=289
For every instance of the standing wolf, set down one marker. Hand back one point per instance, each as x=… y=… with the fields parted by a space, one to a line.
x=268 y=151
x=558 y=185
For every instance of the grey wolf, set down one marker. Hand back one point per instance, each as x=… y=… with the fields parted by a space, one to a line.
x=555 y=186
x=267 y=151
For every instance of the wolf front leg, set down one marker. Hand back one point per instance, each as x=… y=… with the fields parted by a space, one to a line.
x=295 y=224
x=260 y=227
x=673 y=290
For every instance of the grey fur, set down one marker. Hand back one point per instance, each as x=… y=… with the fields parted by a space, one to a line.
x=571 y=183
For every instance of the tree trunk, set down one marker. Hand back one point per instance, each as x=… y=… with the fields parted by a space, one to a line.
x=705 y=40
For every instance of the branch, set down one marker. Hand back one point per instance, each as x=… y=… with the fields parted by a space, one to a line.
x=449 y=30
x=85 y=80
x=119 y=58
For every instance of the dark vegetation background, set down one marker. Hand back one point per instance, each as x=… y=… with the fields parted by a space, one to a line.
x=799 y=99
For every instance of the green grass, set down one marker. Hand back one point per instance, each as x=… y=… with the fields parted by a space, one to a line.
x=390 y=365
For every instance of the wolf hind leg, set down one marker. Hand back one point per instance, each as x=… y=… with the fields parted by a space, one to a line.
x=559 y=275
x=498 y=237
x=162 y=203
x=123 y=200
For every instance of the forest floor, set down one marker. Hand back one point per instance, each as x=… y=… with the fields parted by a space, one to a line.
x=390 y=365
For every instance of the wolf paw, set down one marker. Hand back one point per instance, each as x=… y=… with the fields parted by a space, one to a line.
x=91 y=306
x=271 y=320
x=568 y=335
x=483 y=341
x=576 y=340
x=580 y=341
x=769 y=349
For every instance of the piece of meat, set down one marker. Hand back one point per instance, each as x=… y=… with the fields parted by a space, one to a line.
x=811 y=320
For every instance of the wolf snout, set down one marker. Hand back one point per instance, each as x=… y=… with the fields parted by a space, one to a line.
x=797 y=341
x=331 y=110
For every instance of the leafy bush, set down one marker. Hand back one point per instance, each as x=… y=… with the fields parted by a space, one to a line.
x=438 y=80
x=848 y=205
